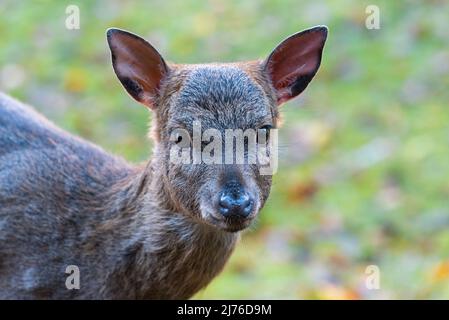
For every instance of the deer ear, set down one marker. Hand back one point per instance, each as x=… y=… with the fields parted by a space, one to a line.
x=139 y=67
x=294 y=62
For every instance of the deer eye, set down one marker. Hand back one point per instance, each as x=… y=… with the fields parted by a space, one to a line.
x=178 y=138
x=264 y=132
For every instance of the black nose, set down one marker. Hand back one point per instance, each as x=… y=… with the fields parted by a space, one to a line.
x=235 y=203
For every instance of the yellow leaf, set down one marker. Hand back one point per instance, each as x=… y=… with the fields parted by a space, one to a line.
x=441 y=271
x=332 y=292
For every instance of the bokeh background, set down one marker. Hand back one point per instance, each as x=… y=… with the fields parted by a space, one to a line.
x=364 y=162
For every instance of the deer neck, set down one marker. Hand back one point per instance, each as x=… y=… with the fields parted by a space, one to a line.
x=173 y=254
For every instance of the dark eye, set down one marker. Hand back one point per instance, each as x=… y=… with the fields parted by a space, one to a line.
x=178 y=138
x=264 y=132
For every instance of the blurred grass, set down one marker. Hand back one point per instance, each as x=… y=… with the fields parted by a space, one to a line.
x=364 y=158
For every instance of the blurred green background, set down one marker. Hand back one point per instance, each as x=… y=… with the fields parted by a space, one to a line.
x=364 y=161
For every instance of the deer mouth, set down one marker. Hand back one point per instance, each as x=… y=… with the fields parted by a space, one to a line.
x=229 y=224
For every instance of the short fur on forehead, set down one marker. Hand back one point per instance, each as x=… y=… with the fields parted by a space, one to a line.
x=222 y=93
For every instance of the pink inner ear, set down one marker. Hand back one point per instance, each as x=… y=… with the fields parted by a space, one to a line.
x=140 y=62
x=295 y=57
x=138 y=65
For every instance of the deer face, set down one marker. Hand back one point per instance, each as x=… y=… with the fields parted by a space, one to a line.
x=215 y=124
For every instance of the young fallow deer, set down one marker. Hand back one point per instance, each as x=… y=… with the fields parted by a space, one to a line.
x=159 y=230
